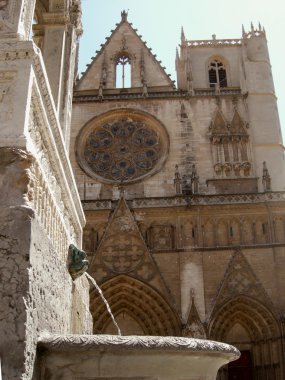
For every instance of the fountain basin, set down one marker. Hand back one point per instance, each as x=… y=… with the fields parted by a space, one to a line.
x=94 y=357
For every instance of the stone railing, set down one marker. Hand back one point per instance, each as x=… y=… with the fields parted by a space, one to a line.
x=83 y=98
x=193 y=200
x=214 y=43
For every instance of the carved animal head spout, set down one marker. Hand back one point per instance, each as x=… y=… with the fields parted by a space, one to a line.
x=77 y=262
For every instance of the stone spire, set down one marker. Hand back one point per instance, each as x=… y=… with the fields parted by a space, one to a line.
x=183 y=38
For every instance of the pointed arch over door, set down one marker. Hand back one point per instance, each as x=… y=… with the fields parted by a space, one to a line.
x=252 y=328
x=146 y=310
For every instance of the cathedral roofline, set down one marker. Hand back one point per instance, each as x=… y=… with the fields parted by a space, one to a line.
x=124 y=19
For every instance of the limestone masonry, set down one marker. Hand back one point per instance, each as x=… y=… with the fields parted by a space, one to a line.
x=175 y=192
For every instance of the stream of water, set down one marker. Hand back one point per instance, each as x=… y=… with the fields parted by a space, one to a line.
x=105 y=301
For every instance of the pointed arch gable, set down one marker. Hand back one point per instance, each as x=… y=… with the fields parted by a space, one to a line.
x=238 y=125
x=143 y=303
x=240 y=280
x=219 y=124
x=251 y=314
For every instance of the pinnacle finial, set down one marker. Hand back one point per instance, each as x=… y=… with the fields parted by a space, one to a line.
x=177 y=53
x=124 y=15
x=243 y=30
x=183 y=39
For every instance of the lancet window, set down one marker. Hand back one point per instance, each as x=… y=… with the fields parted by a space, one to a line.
x=230 y=146
x=123 y=71
x=217 y=74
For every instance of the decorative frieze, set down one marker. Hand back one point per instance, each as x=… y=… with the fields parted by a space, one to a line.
x=180 y=201
x=214 y=43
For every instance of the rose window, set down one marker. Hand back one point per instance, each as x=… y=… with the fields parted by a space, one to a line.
x=124 y=147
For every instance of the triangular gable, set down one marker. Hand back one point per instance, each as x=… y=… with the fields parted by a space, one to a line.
x=240 y=280
x=237 y=125
x=218 y=124
x=122 y=250
x=194 y=327
x=144 y=64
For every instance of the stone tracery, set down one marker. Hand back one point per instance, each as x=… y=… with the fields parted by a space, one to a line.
x=123 y=147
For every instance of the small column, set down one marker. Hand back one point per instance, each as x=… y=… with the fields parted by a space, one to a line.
x=177 y=181
x=266 y=179
x=194 y=180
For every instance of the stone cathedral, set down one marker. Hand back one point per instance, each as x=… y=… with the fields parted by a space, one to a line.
x=176 y=192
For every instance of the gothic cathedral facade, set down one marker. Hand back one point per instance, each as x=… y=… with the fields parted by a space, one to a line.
x=183 y=192
x=175 y=192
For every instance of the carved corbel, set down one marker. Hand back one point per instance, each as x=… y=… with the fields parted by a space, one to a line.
x=227 y=167
x=218 y=169
x=246 y=166
x=237 y=168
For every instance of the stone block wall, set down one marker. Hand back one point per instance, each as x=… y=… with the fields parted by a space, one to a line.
x=37 y=292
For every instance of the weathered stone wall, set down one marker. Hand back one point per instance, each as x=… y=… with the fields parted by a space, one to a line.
x=15 y=249
x=37 y=293
x=52 y=295
x=14 y=260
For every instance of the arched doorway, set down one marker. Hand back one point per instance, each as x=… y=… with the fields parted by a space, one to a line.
x=138 y=308
x=254 y=330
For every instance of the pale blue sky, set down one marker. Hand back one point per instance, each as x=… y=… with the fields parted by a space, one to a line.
x=159 y=22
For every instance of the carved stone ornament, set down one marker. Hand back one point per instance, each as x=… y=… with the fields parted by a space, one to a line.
x=77 y=262
x=122 y=249
x=240 y=279
x=123 y=146
x=89 y=342
x=194 y=327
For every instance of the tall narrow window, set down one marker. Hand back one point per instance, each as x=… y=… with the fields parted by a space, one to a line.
x=217 y=74
x=123 y=71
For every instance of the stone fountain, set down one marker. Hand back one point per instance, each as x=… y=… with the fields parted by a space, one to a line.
x=94 y=357
x=116 y=357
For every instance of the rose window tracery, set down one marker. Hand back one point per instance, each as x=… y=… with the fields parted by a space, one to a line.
x=124 y=147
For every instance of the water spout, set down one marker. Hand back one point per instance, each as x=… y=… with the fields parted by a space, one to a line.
x=105 y=301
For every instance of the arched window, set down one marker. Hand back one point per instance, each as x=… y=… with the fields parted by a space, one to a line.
x=217 y=74
x=123 y=71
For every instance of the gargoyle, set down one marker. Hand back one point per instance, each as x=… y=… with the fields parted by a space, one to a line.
x=77 y=262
